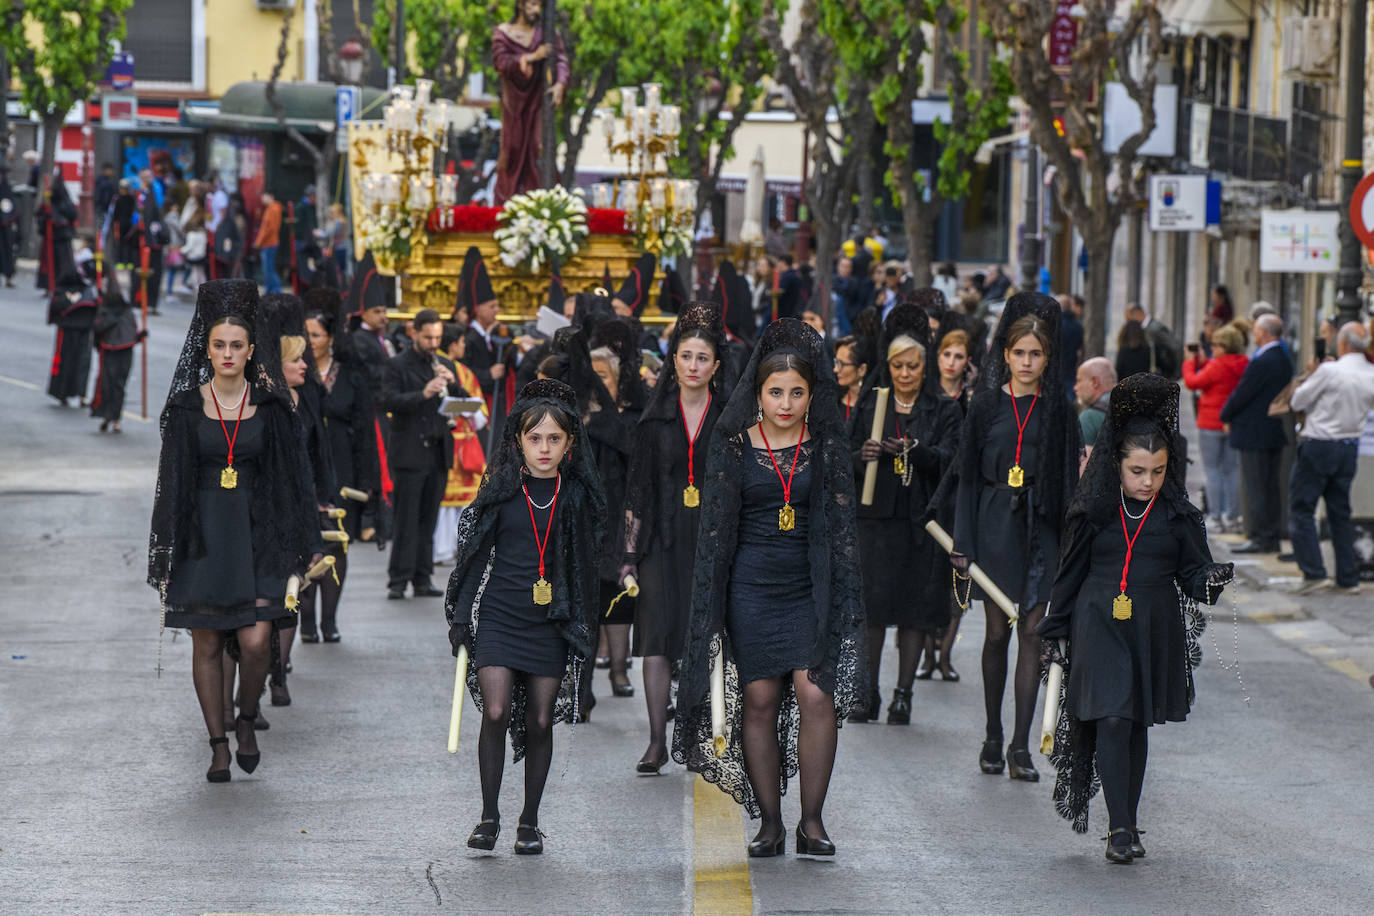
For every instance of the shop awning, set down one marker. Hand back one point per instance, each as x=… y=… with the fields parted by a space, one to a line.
x=309 y=107
x=1212 y=18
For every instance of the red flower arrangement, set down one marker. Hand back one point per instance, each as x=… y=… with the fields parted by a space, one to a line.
x=471 y=218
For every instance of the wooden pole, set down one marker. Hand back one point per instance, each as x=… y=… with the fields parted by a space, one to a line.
x=143 y=300
x=549 y=128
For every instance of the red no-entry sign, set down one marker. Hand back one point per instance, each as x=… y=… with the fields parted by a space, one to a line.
x=1362 y=210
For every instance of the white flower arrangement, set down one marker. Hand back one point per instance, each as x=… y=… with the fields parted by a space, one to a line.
x=388 y=236
x=540 y=226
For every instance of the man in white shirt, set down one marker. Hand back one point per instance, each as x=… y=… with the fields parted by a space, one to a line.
x=219 y=203
x=1337 y=398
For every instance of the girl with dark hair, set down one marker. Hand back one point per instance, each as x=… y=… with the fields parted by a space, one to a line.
x=232 y=509
x=906 y=576
x=523 y=595
x=1135 y=565
x=1132 y=350
x=1017 y=465
x=777 y=596
x=664 y=492
x=348 y=416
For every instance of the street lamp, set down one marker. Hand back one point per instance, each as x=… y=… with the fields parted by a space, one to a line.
x=351 y=56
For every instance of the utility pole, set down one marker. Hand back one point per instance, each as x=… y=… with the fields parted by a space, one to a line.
x=1030 y=223
x=1351 y=275
x=398 y=60
x=549 y=127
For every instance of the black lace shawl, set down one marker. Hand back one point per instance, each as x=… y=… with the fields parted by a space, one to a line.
x=649 y=490
x=1061 y=447
x=836 y=577
x=325 y=304
x=573 y=571
x=282 y=510
x=1094 y=504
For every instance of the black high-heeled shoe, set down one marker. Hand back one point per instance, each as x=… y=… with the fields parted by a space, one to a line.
x=948 y=673
x=899 y=710
x=217 y=775
x=1020 y=766
x=622 y=688
x=280 y=695
x=1119 y=852
x=924 y=671
x=311 y=637
x=484 y=835
x=529 y=841
x=330 y=633
x=761 y=848
x=247 y=762
x=990 y=757
x=807 y=846
x=1137 y=849
x=652 y=767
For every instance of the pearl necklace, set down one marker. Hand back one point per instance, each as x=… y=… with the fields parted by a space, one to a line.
x=546 y=505
x=243 y=393
x=903 y=404
x=1128 y=511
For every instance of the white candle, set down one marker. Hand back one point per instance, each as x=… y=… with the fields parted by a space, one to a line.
x=628 y=96
x=651 y=97
x=422 y=91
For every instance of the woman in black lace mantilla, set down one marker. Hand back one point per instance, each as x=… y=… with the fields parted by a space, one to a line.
x=1016 y=467
x=523 y=594
x=1134 y=568
x=665 y=489
x=231 y=513
x=777 y=592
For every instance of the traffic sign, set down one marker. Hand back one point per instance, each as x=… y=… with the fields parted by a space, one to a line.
x=1362 y=211
x=347 y=102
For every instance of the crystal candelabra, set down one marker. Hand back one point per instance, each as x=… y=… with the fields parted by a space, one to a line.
x=398 y=202
x=661 y=210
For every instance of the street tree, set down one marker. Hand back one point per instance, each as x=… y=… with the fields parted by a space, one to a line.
x=323 y=155
x=60 y=49
x=822 y=83
x=1096 y=188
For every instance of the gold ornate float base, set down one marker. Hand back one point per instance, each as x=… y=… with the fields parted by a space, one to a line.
x=430 y=280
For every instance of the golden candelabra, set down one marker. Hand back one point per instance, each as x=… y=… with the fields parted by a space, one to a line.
x=398 y=201
x=661 y=210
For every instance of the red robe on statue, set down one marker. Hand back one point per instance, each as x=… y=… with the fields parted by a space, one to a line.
x=522 y=109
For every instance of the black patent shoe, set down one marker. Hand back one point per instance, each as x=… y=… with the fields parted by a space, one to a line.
x=924 y=671
x=1137 y=850
x=622 y=688
x=899 y=710
x=990 y=759
x=767 y=847
x=247 y=762
x=484 y=835
x=310 y=637
x=947 y=673
x=529 y=841
x=330 y=633
x=217 y=775
x=1020 y=766
x=1119 y=846
x=280 y=695
x=808 y=846
x=647 y=767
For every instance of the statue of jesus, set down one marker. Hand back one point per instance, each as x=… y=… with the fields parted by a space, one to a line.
x=521 y=56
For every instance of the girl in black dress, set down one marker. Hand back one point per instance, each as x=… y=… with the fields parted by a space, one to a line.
x=1017 y=466
x=523 y=595
x=906 y=577
x=349 y=419
x=667 y=480
x=777 y=593
x=230 y=516
x=1135 y=565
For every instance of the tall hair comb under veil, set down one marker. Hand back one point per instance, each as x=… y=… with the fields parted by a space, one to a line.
x=215 y=299
x=787 y=334
x=907 y=319
x=930 y=299
x=279 y=315
x=704 y=318
x=622 y=335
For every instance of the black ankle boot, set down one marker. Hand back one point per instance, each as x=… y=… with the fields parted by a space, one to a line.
x=899 y=710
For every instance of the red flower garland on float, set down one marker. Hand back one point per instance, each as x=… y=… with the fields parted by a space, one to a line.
x=473 y=218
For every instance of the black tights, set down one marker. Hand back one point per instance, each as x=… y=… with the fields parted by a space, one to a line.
x=329 y=598
x=763 y=755
x=208 y=663
x=540 y=694
x=658 y=685
x=1027 y=684
x=909 y=642
x=1122 y=747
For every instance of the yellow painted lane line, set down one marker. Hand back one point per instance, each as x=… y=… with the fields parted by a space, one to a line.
x=721 y=863
x=1349 y=668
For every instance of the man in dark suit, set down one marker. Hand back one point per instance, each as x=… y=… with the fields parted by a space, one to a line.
x=1258 y=437
x=790 y=293
x=420 y=452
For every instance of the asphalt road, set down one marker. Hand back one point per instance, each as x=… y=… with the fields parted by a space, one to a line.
x=1251 y=807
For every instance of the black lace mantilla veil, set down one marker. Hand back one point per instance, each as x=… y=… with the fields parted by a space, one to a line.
x=574 y=570
x=835 y=575
x=175 y=531
x=906 y=319
x=1095 y=503
x=649 y=490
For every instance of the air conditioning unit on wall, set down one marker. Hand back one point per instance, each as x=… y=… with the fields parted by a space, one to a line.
x=275 y=4
x=1311 y=47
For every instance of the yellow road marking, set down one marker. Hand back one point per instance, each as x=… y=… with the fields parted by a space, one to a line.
x=1349 y=668
x=722 y=868
x=20 y=382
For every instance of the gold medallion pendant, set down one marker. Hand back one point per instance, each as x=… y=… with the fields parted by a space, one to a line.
x=228 y=478
x=898 y=466
x=543 y=592
x=691 y=497
x=1016 y=476
x=1121 y=607
x=787 y=518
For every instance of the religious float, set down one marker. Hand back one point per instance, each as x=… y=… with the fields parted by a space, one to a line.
x=409 y=219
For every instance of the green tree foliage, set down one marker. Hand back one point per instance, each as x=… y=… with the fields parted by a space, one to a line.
x=60 y=69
